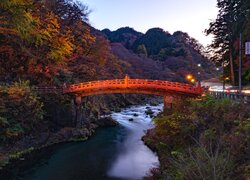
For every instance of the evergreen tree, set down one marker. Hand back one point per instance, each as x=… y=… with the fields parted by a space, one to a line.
x=233 y=19
x=141 y=49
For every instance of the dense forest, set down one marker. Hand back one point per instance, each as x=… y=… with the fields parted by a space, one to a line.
x=233 y=20
x=209 y=138
x=51 y=43
x=177 y=54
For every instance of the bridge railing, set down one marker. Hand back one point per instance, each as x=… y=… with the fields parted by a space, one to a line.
x=47 y=90
x=132 y=83
x=96 y=84
x=161 y=85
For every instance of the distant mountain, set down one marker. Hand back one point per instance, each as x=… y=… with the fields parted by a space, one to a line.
x=154 y=40
x=179 y=53
x=142 y=66
x=125 y=35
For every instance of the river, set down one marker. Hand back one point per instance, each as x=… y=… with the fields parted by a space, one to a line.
x=115 y=153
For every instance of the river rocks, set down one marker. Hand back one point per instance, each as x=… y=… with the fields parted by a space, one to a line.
x=107 y=122
x=135 y=114
x=131 y=119
x=149 y=112
x=117 y=110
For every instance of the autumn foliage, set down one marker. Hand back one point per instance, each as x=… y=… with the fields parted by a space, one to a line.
x=46 y=43
x=206 y=139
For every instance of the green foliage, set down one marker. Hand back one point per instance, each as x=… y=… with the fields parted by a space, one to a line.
x=21 y=20
x=154 y=40
x=141 y=49
x=125 y=35
x=232 y=19
x=21 y=110
x=198 y=163
x=247 y=75
x=205 y=139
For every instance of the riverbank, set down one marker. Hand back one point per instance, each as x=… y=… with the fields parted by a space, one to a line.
x=14 y=152
x=202 y=139
x=111 y=153
x=21 y=135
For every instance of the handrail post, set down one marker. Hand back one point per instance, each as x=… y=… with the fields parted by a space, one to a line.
x=126 y=80
x=199 y=87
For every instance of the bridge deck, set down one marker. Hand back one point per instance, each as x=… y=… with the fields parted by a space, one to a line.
x=130 y=85
x=127 y=85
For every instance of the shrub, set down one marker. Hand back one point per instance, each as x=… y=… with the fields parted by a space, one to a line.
x=20 y=110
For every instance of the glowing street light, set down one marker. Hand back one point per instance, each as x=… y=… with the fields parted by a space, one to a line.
x=189 y=76
x=192 y=80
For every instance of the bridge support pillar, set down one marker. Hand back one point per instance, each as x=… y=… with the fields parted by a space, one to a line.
x=168 y=103
x=78 y=111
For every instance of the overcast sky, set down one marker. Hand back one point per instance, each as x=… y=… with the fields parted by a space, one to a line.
x=191 y=16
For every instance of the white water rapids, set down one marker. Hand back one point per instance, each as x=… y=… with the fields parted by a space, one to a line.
x=136 y=159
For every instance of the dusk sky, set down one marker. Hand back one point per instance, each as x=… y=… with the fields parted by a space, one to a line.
x=191 y=16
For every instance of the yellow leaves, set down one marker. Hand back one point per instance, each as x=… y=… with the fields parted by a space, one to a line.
x=17 y=91
x=49 y=27
x=17 y=17
x=60 y=48
x=49 y=34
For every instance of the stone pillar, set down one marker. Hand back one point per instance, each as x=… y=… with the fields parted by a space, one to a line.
x=168 y=102
x=78 y=111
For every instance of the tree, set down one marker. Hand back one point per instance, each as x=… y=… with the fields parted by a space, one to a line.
x=141 y=49
x=16 y=18
x=232 y=20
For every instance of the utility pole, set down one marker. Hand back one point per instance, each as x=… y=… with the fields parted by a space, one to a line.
x=240 y=63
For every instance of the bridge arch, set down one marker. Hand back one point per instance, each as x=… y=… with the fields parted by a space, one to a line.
x=166 y=89
x=127 y=85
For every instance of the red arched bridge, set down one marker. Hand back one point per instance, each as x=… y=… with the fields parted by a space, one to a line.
x=166 y=89
x=127 y=85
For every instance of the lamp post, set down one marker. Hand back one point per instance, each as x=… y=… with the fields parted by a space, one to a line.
x=240 y=63
x=199 y=74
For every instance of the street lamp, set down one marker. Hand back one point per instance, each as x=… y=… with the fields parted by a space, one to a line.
x=199 y=74
x=189 y=76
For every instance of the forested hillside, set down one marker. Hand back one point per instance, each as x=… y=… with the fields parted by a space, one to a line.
x=177 y=54
x=231 y=27
x=51 y=43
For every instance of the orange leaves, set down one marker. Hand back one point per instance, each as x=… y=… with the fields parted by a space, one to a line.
x=4 y=29
x=83 y=39
x=50 y=34
x=61 y=47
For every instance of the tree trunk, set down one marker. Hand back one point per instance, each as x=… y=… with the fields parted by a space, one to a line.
x=231 y=67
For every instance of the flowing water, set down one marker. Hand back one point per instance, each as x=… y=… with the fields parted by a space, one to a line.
x=112 y=153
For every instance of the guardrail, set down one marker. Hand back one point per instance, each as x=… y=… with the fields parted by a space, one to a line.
x=235 y=96
x=47 y=90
